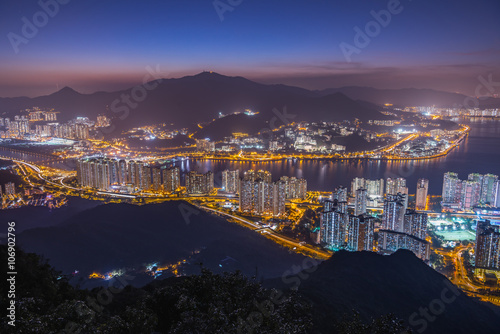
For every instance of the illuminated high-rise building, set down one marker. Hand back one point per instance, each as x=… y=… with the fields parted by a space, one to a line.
x=156 y=177
x=357 y=183
x=80 y=171
x=340 y=194
x=403 y=229
x=107 y=173
x=329 y=205
x=50 y=116
x=421 y=194
x=497 y=194
x=171 y=179
x=452 y=190
x=133 y=173
x=487 y=250
x=122 y=172
x=145 y=177
x=87 y=173
x=103 y=174
x=42 y=130
x=294 y=188
x=333 y=227
x=279 y=198
x=471 y=194
x=81 y=131
x=476 y=177
x=375 y=188
x=249 y=199
x=360 y=233
x=395 y=186
x=360 y=202
x=230 y=181
x=489 y=189
x=24 y=127
x=260 y=196
x=194 y=182
x=93 y=173
x=391 y=241
x=335 y=205
x=394 y=211
x=415 y=223
x=197 y=183
x=301 y=188
x=339 y=230
x=208 y=185
x=112 y=170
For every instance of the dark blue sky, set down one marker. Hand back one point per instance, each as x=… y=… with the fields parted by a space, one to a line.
x=106 y=45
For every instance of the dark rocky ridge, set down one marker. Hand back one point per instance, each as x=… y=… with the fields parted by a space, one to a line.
x=401 y=284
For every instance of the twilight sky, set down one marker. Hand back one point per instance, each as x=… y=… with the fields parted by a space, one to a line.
x=106 y=45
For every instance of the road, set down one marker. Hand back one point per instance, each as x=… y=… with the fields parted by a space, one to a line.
x=291 y=243
x=461 y=279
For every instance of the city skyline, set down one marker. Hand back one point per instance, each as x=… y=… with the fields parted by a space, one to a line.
x=241 y=166
x=113 y=53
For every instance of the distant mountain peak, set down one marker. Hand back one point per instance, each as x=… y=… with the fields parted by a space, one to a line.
x=66 y=90
x=209 y=74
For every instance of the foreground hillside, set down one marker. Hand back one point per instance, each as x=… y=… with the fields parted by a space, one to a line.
x=350 y=293
x=374 y=285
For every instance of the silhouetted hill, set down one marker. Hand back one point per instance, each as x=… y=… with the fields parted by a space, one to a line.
x=410 y=97
x=394 y=294
x=329 y=108
x=207 y=303
x=194 y=99
x=488 y=102
x=114 y=236
x=224 y=127
x=401 y=284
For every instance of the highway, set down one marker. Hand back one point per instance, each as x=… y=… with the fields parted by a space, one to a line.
x=291 y=243
x=461 y=279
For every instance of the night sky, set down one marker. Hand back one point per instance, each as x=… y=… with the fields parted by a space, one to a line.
x=107 y=45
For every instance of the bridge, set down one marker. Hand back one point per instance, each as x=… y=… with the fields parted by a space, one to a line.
x=36 y=157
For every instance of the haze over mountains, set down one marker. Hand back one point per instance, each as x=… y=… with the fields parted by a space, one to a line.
x=412 y=97
x=196 y=99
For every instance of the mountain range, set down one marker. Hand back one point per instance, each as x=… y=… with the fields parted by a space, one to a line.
x=187 y=101
x=412 y=97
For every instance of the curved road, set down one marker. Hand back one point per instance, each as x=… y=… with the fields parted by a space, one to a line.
x=274 y=235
